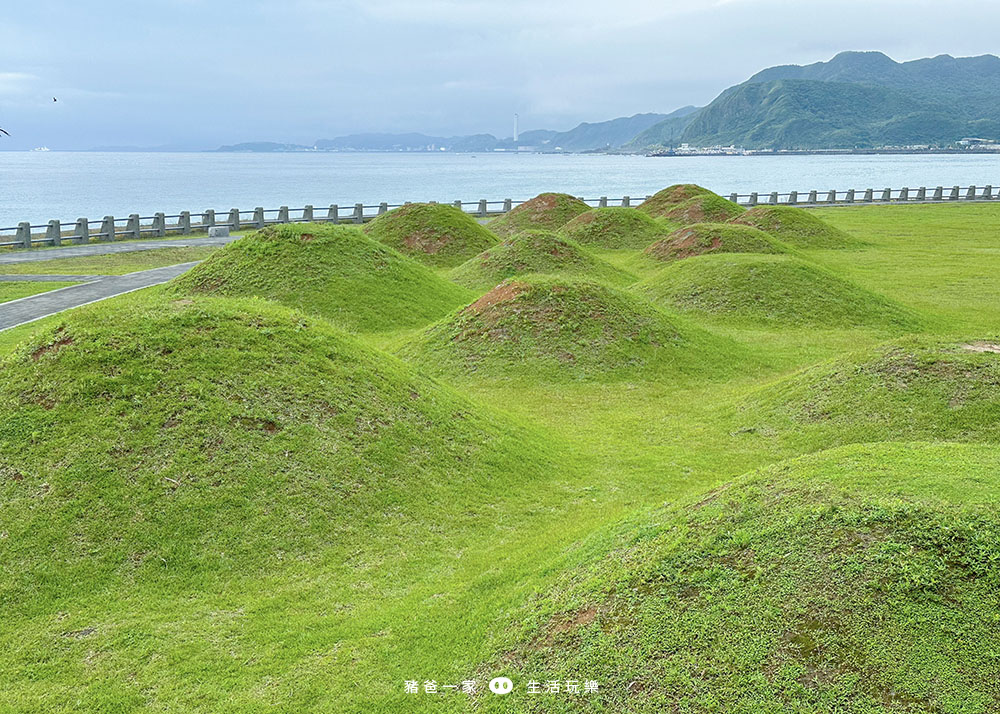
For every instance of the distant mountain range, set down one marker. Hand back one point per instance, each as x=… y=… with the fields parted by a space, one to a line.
x=597 y=136
x=857 y=100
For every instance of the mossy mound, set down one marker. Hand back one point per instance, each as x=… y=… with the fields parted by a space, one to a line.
x=663 y=201
x=795 y=226
x=770 y=290
x=615 y=228
x=184 y=455
x=916 y=388
x=700 y=238
x=861 y=579
x=704 y=209
x=433 y=233
x=534 y=252
x=333 y=271
x=546 y=211
x=554 y=329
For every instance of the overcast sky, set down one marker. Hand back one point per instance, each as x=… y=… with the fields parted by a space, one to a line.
x=201 y=73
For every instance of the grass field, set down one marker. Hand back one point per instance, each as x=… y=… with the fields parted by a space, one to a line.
x=213 y=501
x=17 y=289
x=110 y=263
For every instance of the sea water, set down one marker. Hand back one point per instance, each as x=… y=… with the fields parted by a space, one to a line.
x=38 y=186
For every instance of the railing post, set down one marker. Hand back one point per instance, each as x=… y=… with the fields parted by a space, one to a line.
x=904 y=194
x=234 y=219
x=954 y=193
x=457 y=204
x=53 y=233
x=383 y=208
x=482 y=208
x=184 y=223
x=793 y=198
x=773 y=198
x=869 y=195
x=626 y=202
x=813 y=197
x=307 y=214
x=602 y=202
x=208 y=218
x=938 y=194
x=831 y=197
x=734 y=197
x=258 y=217
x=971 y=194
x=359 y=213
x=508 y=204
x=108 y=228
x=850 y=196
x=886 y=195
x=987 y=192
x=132 y=227
x=753 y=199
x=332 y=215
x=23 y=235
x=159 y=224
x=921 y=193
x=81 y=234
x=283 y=214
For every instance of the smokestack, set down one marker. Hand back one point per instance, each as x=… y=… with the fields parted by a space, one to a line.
x=515 y=127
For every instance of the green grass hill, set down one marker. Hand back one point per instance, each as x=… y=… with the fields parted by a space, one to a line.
x=796 y=226
x=436 y=234
x=861 y=579
x=916 y=388
x=670 y=197
x=701 y=238
x=535 y=252
x=546 y=328
x=546 y=211
x=702 y=209
x=173 y=470
x=615 y=228
x=770 y=290
x=329 y=270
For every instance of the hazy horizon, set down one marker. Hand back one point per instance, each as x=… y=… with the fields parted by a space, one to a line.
x=196 y=75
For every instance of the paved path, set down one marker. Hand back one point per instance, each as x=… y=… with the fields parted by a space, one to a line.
x=35 y=307
x=78 y=251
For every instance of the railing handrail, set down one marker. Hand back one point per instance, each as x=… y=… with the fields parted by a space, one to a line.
x=135 y=226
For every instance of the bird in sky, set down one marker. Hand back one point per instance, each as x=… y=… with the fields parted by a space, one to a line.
x=54 y=99
x=4 y=132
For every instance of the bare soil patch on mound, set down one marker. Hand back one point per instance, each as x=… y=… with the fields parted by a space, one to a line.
x=546 y=211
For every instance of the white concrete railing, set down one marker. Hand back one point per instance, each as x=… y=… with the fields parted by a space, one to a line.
x=159 y=225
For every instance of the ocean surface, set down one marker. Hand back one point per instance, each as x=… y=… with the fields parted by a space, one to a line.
x=38 y=186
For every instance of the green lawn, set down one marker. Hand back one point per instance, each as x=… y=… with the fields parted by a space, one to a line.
x=212 y=502
x=110 y=263
x=23 y=288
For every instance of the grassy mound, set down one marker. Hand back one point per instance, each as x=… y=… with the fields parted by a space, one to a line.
x=663 y=201
x=170 y=467
x=546 y=211
x=328 y=270
x=770 y=289
x=701 y=238
x=614 y=228
x=704 y=209
x=534 y=252
x=917 y=388
x=435 y=234
x=555 y=329
x=795 y=226
x=861 y=579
